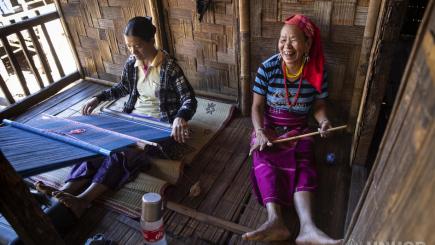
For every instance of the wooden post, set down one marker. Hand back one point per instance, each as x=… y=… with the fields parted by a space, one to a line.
x=155 y=14
x=15 y=65
x=359 y=91
x=29 y=60
x=21 y=209
x=51 y=47
x=245 y=92
x=41 y=55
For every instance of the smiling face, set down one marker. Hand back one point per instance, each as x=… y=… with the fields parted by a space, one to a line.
x=292 y=45
x=140 y=48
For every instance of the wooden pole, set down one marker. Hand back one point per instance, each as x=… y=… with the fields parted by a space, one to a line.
x=154 y=6
x=245 y=92
x=21 y=209
x=208 y=219
x=359 y=96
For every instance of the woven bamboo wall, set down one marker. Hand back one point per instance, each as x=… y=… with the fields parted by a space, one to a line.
x=207 y=51
x=96 y=26
x=342 y=27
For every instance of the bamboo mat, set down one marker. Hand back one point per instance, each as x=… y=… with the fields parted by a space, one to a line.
x=210 y=118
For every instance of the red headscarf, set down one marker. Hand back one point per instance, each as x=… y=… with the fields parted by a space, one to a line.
x=313 y=70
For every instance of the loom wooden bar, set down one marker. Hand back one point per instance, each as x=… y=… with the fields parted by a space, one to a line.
x=15 y=65
x=41 y=55
x=209 y=219
x=29 y=60
x=21 y=209
x=39 y=96
x=52 y=50
x=28 y=23
x=58 y=137
x=6 y=91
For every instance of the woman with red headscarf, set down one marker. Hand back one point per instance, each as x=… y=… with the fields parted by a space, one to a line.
x=288 y=85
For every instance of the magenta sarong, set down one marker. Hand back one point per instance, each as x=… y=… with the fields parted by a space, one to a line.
x=285 y=168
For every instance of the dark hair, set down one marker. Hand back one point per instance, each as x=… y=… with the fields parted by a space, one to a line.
x=140 y=27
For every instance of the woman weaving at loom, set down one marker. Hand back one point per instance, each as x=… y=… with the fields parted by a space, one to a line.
x=156 y=87
x=286 y=87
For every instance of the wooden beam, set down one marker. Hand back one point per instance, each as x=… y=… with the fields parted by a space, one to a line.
x=245 y=91
x=15 y=65
x=39 y=96
x=28 y=23
x=41 y=55
x=29 y=60
x=52 y=50
x=6 y=91
x=22 y=211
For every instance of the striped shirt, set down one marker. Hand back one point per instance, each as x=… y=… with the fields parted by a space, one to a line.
x=269 y=82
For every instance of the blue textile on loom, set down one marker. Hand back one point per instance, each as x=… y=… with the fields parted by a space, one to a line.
x=32 y=154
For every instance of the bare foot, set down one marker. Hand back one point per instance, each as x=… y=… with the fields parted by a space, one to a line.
x=43 y=188
x=272 y=230
x=313 y=236
x=77 y=205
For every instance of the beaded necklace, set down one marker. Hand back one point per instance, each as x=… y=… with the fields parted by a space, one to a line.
x=284 y=71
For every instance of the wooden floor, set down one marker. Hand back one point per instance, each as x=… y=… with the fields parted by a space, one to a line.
x=223 y=171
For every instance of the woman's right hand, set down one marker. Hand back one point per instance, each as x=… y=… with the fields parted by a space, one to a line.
x=90 y=105
x=261 y=141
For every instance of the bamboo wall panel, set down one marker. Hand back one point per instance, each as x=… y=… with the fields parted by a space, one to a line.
x=397 y=205
x=96 y=28
x=207 y=51
x=342 y=25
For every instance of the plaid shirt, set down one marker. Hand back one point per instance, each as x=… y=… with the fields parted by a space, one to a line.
x=176 y=95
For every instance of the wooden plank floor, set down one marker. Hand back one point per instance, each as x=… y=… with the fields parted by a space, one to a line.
x=223 y=170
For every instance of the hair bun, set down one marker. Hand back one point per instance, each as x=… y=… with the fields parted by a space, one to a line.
x=140 y=26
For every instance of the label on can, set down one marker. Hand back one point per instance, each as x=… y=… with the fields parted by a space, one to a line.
x=154 y=235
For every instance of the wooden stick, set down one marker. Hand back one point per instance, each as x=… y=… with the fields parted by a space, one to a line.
x=306 y=135
x=208 y=219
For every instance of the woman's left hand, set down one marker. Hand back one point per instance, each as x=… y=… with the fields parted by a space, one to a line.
x=180 y=130
x=324 y=125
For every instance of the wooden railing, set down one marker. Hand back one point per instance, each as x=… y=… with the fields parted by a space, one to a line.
x=26 y=45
